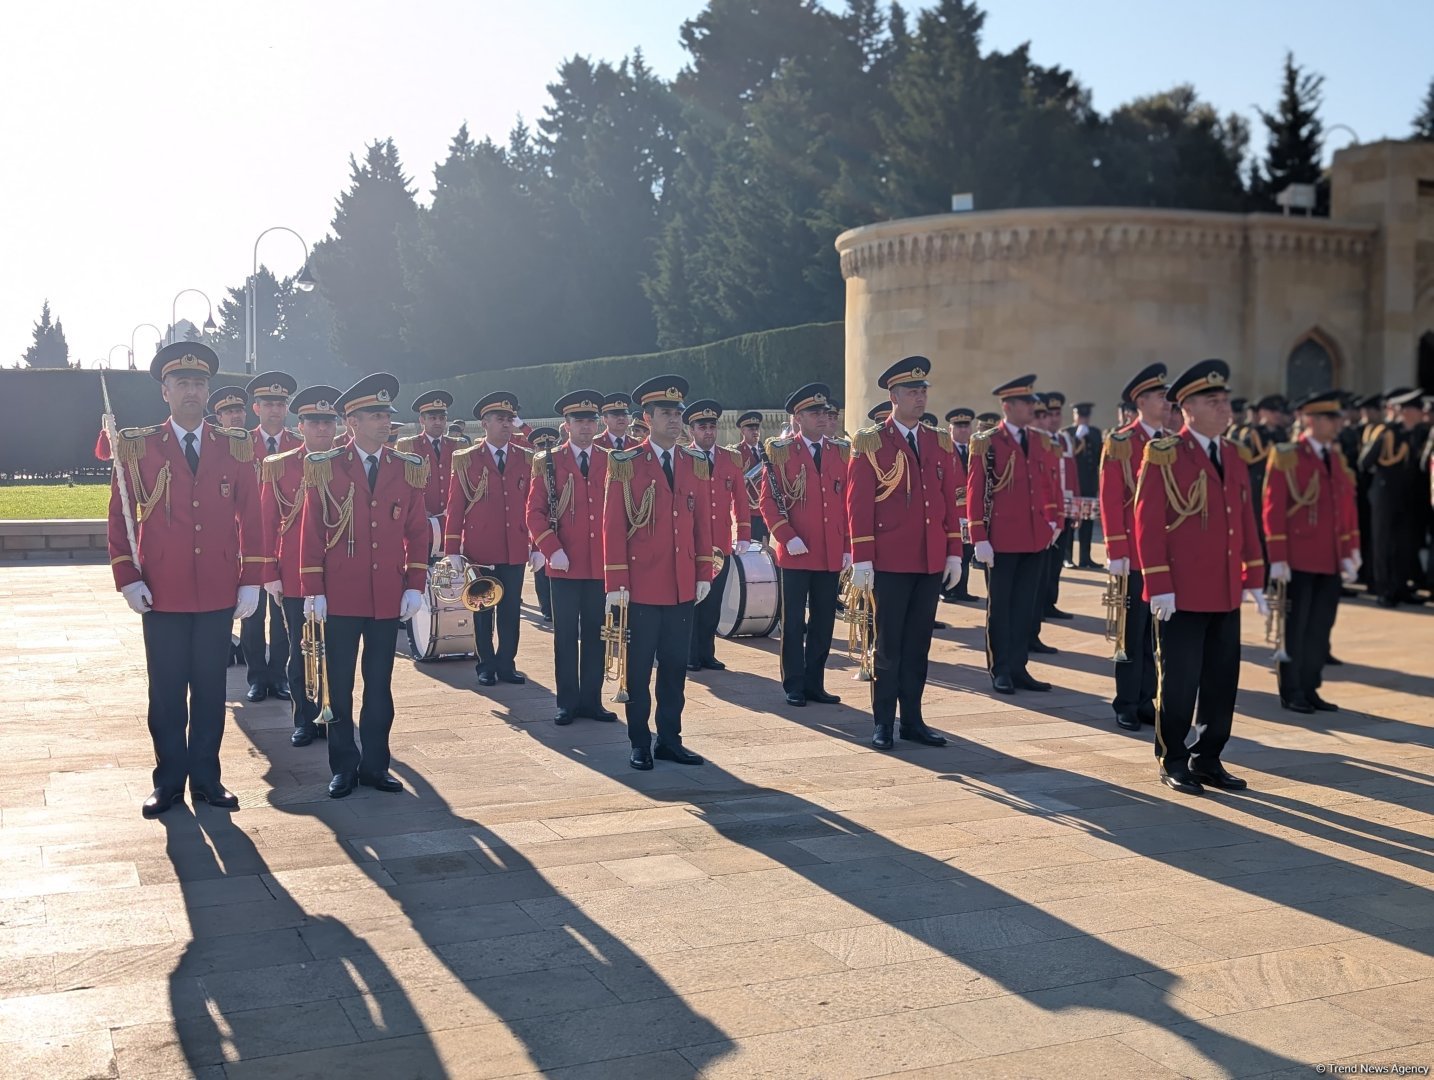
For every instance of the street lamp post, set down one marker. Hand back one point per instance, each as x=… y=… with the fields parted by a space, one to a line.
x=157 y=333
x=304 y=282
x=209 y=324
x=121 y=345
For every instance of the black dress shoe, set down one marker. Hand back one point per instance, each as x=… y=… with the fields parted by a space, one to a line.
x=1025 y=682
x=342 y=784
x=694 y=665
x=679 y=754
x=1057 y=613
x=487 y=678
x=1086 y=564
x=714 y=665
x=939 y=625
x=257 y=692
x=281 y=691
x=216 y=795
x=302 y=736
x=160 y=801
x=607 y=716
x=821 y=697
x=641 y=758
x=923 y=735
x=1002 y=684
x=517 y=678
x=1297 y=706
x=1182 y=781
x=1321 y=705
x=882 y=739
x=964 y=597
x=1216 y=776
x=1389 y=602
x=1147 y=716
x=797 y=700
x=1040 y=648
x=1334 y=661
x=386 y=782
x=564 y=717
x=1127 y=721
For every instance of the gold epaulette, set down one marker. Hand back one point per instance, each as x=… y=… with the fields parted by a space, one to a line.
x=539 y=460
x=318 y=468
x=944 y=440
x=274 y=465
x=1117 y=446
x=1248 y=454
x=778 y=450
x=699 y=463
x=1162 y=451
x=415 y=468
x=843 y=447
x=466 y=450
x=241 y=443
x=868 y=440
x=406 y=443
x=130 y=447
x=980 y=443
x=619 y=465
x=1284 y=456
x=736 y=456
x=1348 y=470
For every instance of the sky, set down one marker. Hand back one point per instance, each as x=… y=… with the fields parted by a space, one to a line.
x=150 y=142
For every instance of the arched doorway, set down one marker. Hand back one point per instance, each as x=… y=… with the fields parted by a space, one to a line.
x=1426 y=362
x=1311 y=366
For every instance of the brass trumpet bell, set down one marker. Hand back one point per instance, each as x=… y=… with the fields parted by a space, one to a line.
x=481 y=593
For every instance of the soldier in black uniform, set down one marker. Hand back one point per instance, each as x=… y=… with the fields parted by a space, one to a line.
x=1087 y=440
x=1398 y=491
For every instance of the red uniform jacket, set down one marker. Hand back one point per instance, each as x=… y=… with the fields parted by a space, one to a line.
x=361 y=549
x=1310 y=516
x=285 y=440
x=903 y=516
x=1024 y=502
x=281 y=484
x=754 y=490
x=960 y=465
x=1121 y=462
x=440 y=468
x=200 y=535
x=727 y=499
x=816 y=503
x=486 y=517
x=657 y=542
x=607 y=442
x=1184 y=512
x=580 y=522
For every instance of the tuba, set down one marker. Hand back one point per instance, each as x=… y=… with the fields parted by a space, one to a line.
x=859 y=614
x=1117 y=606
x=465 y=586
x=1277 y=596
x=316 y=669
x=615 y=639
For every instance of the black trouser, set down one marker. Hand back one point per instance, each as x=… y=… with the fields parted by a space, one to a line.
x=1066 y=542
x=1313 y=601
x=1135 y=680
x=304 y=710
x=659 y=632
x=807 y=639
x=963 y=587
x=544 y=589
x=342 y=634
x=1197 y=654
x=266 y=669
x=759 y=529
x=506 y=615
x=905 y=612
x=1012 y=586
x=1366 y=534
x=705 y=615
x=1085 y=531
x=186 y=654
x=1055 y=563
x=577 y=643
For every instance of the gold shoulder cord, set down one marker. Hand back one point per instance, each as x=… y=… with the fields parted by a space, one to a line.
x=1286 y=462
x=565 y=500
x=1388 y=457
x=1007 y=475
x=472 y=492
x=317 y=475
x=1187 y=504
x=127 y=452
x=619 y=471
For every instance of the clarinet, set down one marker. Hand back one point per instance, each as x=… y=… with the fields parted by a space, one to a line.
x=779 y=492
x=989 y=495
x=550 y=479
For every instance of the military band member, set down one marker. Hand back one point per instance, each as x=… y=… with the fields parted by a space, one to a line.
x=730 y=525
x=282 y=500
x=565 y=520
x=346 y=436
x=1194 y=492
x=1121 y=466
x=617 y=423
x=1012 y=528
x=190 y=502
x=639 y=430
x=905 y=526
x=958 y=425
x=544 y=438
x=804 y=505
x=486 y=523
x=1238 y=405
x=1087 y=444
x=1397 y=494
x=879 y=412
x=228 y=406
x=434 y=445
x=362 y=571
x=1062 y=448
x=1312 y=532
x=657 y=558
x=1125 y=414
x=986 y=421
x=1043 y=445
x=749 y=430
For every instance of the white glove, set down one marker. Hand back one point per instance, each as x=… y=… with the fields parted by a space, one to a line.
x=275 y=589
x=1279 y=571
x=1348 y=570
x=1163 y=606
x=953 y=572
x=317 y=606
x=1358 y=559
x=985 y=553
x=455 y=562
x=247 y=602
x=703 y=589
x=1258 y=599
x=409 y=605
x=846 y=560
x=138 y=597
x=1118 y=567
x=862 y=575
x=741 y=547
x=559 y=562
x=618 y=598
x=536 y=561
x=795 y=546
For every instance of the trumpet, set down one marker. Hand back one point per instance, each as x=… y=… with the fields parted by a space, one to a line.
x=465 y=586
x=316 y=669
x=1277 y=596
x=615 y=639
x=1117 y=606
x=859 y=613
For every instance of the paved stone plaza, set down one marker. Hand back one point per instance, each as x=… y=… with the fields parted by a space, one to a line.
x=1026 y=902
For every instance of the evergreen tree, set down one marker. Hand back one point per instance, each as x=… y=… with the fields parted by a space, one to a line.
x=1295 y=141
x=1424 y=122
x=48 y=347
x=1172 y=149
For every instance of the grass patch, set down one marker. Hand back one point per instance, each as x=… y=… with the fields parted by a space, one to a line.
x=26 y=502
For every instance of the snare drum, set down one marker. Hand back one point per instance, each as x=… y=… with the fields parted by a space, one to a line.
x=441 y=630
x=752 y=600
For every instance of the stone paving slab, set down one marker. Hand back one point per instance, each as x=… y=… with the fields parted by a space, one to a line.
x=1027 y=901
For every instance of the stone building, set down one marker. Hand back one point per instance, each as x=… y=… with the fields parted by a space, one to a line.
x=1084 y=296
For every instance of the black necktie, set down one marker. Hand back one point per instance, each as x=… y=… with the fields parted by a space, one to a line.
x=436 y=454
x=961 y=449
x=911 y=442
x=500 y=462
x=273 y=446
x=1021 y=438
x=372 y=471
x=1324 y=458
x=583 y=463
x=817 y=455
x=617 y=443
x=667 y=467
x=1215 y=457
x=191 y=455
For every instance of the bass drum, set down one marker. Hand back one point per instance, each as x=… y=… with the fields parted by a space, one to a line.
x=441 y=630
x=752 y=600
